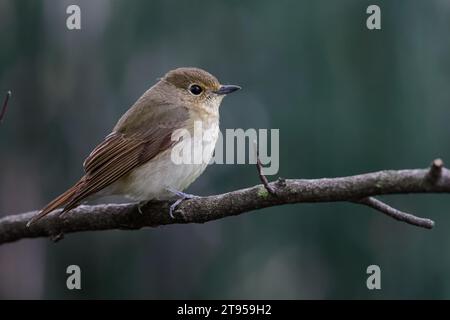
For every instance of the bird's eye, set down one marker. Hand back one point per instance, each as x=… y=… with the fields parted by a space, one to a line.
x=195 y=89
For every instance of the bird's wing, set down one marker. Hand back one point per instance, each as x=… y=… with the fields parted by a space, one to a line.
x=116 y=157
x=120 y=152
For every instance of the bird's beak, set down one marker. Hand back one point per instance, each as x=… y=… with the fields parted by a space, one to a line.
x=227 y=88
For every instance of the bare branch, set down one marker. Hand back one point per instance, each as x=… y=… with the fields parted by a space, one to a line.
x=262 y=177
x=5 y=106
x=396 y=214
x=204 y=209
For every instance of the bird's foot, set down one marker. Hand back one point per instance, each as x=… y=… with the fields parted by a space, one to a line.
x=141 y=204
x=181 y=197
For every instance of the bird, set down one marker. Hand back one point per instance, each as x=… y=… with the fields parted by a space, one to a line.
x=136 y=160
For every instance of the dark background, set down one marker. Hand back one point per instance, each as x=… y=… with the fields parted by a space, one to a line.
x=347 y=100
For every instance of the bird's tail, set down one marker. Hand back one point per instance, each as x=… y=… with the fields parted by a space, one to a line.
x=60 y=201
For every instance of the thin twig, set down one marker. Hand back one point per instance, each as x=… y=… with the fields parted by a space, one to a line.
x=259 y=167
x=5 y=106
x=396 y=214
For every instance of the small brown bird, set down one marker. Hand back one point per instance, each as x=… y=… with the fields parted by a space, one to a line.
x=135 y=160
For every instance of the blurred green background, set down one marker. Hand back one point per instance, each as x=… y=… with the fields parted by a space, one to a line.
x=346 y=100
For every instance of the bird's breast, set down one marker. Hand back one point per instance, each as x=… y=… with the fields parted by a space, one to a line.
x=175 y=168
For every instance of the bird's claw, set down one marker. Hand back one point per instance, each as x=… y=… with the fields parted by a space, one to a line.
x=182 y=196
x=140 y=205
x=174 y=206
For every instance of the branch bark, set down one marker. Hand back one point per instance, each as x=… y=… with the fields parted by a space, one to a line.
x=357 y=189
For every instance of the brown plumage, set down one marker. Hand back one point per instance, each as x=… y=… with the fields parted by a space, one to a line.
x=143 y=132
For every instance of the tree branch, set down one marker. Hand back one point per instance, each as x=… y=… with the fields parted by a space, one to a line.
x=357 y=189
x=396 y=214
x=5 y=106
x=262 y=177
